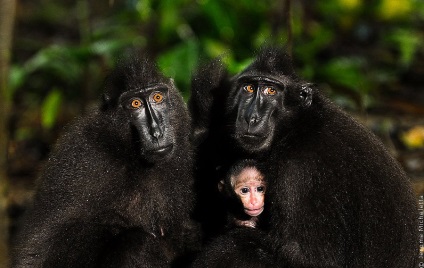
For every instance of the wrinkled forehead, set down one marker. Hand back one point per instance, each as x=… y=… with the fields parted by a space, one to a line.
x=246 y=175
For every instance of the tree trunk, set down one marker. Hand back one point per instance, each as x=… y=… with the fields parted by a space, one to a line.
x=288 y=23
x=7 y=16
x=282 y=20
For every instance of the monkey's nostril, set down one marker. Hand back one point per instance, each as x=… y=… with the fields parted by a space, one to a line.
x=253 y=120
x=157 y=133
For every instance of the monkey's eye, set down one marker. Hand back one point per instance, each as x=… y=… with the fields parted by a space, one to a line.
x=244 y=190
x=136 y=103
x=260 y=189
x=270 y=91
x=249 y=88
x=157 y=97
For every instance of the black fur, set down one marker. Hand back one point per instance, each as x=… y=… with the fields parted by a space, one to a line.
x=207 y=113
x=239 y=248
x=101 y=198
x=337 y=197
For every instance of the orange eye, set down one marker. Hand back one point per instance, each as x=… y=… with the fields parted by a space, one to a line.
x=270 y=91
x=136 y=103
x=157 y=97
x=249 y=88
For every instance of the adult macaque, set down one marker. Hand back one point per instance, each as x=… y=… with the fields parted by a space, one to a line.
x=336 y=197
x=117 y=189
x=238 y=248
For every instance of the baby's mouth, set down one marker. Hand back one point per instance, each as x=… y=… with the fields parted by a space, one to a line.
x=254 y=212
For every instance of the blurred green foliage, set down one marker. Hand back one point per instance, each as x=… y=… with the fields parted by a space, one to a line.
x=50 y=108
x=355 y=48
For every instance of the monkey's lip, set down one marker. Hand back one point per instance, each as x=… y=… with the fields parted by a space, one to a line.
x=163 y=150
x=250 y=136
x=253 y=212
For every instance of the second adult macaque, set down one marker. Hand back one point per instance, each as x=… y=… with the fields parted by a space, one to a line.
x=245 y=188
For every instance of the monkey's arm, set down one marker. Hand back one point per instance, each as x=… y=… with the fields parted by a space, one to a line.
x=207 y=88
x=250 y=223
x=62 y=228
x=59 y=242
x=293 y=257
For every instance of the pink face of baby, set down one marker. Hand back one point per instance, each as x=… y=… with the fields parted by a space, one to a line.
x=249 y=185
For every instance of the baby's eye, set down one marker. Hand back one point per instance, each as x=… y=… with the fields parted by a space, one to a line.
x=260 y=189
x=244 y=190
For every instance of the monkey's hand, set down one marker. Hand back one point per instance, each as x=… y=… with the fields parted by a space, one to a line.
x=248 y=223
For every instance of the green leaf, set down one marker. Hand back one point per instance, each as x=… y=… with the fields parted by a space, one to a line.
x=236 y=67
x=17 y=78
x=321 y=37
x=51 y=108
x=61 y=61
x=347 y=72
x=144 y=8
x=179 y=62
x=220 y=17
x=408 y=42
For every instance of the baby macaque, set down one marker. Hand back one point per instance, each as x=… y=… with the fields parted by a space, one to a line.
x=244 y=187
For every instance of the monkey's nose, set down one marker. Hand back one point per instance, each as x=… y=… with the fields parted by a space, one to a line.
x=253 y=120
x=155 y=128
x=253 y=199
x=156 y=132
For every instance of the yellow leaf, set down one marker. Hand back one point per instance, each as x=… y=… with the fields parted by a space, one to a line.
x=390 y=9
x=350 y=4
x=414 y=138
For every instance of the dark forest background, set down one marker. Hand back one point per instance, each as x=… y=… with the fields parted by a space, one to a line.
x=368 y=55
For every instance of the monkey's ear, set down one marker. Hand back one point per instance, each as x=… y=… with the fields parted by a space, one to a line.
x=106 y=101
x=306 y=94
x=221 y=185
x=106 y=98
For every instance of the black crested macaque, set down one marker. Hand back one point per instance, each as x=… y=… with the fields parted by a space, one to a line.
x=244 y=189
x=117 y=191
x=336 y=196
x=238 y=248
x=207 y=114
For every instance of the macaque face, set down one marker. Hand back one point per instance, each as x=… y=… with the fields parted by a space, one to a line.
x=249 y=186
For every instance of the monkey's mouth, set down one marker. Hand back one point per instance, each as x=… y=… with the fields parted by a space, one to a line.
x=162 y=151
x=249 y=137
x=254 y=212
